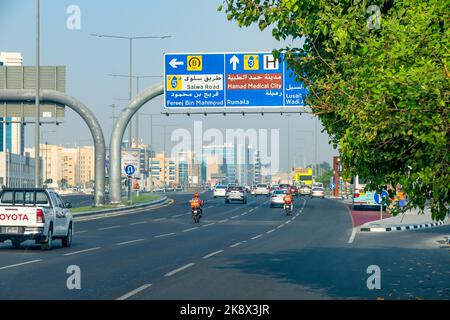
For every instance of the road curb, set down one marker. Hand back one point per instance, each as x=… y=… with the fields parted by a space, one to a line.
x=404 y=227
x=163 y=200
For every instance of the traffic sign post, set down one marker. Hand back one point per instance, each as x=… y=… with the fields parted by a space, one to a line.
x=129 y=170
x=224 y=81
x=381 y=199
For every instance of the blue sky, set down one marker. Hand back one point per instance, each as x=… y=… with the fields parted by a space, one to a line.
x=195 y=26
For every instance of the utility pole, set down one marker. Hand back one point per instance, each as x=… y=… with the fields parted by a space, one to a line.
x=130 y=83
x=37 y=171
x=136 y=116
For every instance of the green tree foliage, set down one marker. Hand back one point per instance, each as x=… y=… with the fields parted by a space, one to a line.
x=378 y=78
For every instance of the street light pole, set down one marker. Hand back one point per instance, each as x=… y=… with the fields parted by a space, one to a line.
x=37 y=171
x=130 y=39
x=136 y=116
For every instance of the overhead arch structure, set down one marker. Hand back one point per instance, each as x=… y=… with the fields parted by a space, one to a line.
x=85 y=113
x=117 y=136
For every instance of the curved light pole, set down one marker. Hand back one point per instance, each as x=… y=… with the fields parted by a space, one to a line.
x=88 y=117
x=117 y=135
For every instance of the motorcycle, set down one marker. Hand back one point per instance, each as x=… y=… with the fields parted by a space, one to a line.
x=196 y=214
x=288 y=209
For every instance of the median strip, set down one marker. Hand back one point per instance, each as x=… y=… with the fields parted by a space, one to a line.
x=20 y=264
x=171 y=273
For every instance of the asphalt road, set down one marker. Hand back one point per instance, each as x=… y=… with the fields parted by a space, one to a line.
x=236 y=252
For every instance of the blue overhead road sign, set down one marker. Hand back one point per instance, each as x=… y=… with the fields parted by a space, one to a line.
x=230 y=80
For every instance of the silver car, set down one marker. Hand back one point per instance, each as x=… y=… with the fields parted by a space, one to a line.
x=277 y=198
x=318 y=192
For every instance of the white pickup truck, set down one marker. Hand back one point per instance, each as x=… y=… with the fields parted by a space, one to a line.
x=34 y=214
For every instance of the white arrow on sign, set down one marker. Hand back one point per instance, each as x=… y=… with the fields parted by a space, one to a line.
x=174 y=63
x=234 y=61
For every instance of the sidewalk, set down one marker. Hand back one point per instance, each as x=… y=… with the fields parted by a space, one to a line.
x=410 y=220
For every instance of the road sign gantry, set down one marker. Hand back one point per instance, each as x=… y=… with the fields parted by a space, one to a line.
x=215 y=81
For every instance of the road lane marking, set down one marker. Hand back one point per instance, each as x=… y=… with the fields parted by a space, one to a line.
x=81 y=251
x=210 y=224
x=243 y=214
x=78 y=232
x=234 y=217
x=287 y=222
x=224 y=220
x=212 y=254
x=236 y=244
x=165 y=235
x=352 y=236
x=127 y=242
x=280 y=226
x=178 y=215
x=20 y=264
x=186 y=230
x=107 y=228
x=256 y=237
x=140 y=222
x=160 y=219
x=270 y=231
x=171 y=273
x=135 y=291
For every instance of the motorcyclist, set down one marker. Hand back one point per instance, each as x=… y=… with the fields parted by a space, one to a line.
x=197 y=203
x=288 y=199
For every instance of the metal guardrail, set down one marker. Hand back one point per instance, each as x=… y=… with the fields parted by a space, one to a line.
x=120 y=209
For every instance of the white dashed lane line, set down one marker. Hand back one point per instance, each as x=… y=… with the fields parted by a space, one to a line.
x=224 y=220
x=280 y=226
x=134 y=292
x=234 y=217
x=160 y=219
x=78 y=232
x=81 y=251
x=165 y=235
x=171 y=273
x=209 y=224
x=190 y=229
x=212 y=254
x=127 y=242
x=256 y=237
x=236 y=244
x=270 y=231
x=107 y=228
x=20 y=264
x=140 y=222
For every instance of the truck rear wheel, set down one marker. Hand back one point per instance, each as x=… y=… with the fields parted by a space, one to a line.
x=67 y=240
x=48 y=245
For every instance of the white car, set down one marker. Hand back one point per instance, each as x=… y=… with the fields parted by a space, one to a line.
x=219 y=191
x=277 y=198
x=262 y=189
x=318 y=193
x=34 y=214
x=305 y=191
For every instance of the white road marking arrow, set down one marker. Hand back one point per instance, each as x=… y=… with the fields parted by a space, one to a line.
x=174 y=63
x=234 y=61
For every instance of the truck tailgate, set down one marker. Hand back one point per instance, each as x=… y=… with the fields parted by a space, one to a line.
x=17 y=216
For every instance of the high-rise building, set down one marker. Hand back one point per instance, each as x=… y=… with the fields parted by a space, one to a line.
x=12 y=133
x=230 y=162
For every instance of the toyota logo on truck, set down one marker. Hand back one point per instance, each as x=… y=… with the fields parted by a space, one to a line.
x=13 y=217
